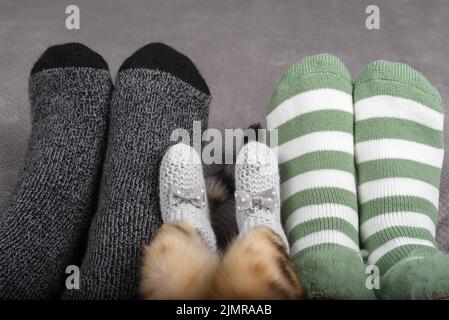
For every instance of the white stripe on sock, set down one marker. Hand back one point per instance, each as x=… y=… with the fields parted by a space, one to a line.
x=396 y=219
x=389 y=187
x=309 y=101
x=398 y=149
x=318 y=179
x=377 y=254
x=323 y=237
x=398 y=108
x=316 y=141
x=318 y=211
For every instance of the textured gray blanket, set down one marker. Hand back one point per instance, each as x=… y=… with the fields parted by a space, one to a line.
x=241 y=48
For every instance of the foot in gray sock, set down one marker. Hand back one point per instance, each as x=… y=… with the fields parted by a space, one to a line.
x=157 y=90
x=41 y=228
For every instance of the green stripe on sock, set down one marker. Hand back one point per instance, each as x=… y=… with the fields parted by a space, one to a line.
x=316 y=225
x=379 y=206
x=389 y=168
x=328 y=247
x=318 y=81
x=318 y=196
x=393 y=88
x=382 y=237
x=317 y=160
x=385 y=128
x=323 y=120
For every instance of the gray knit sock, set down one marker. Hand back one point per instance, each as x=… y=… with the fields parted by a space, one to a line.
x=157 y=90
x=42 y=227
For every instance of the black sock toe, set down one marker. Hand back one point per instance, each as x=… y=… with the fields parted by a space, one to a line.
x=164 y=58
x=69 y=55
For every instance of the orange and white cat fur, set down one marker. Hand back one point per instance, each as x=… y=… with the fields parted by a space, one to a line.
x=178 y=264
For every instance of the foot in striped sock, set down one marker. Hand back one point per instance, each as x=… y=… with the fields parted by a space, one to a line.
x=399 y=154
x=312 y=111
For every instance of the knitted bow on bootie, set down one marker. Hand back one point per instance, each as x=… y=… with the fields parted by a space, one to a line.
x=245 y=200
x=193 y=195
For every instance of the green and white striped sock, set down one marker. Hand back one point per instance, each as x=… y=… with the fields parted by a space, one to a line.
x=399 y=154
x=312 y=111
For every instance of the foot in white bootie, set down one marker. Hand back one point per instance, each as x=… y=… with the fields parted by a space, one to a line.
x=257 y=189
x=182 y=190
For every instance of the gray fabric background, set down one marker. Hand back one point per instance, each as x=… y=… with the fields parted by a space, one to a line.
x=241 y=47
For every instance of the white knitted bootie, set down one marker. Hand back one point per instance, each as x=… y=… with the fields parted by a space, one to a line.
x=182 y=190
x=257 y=189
